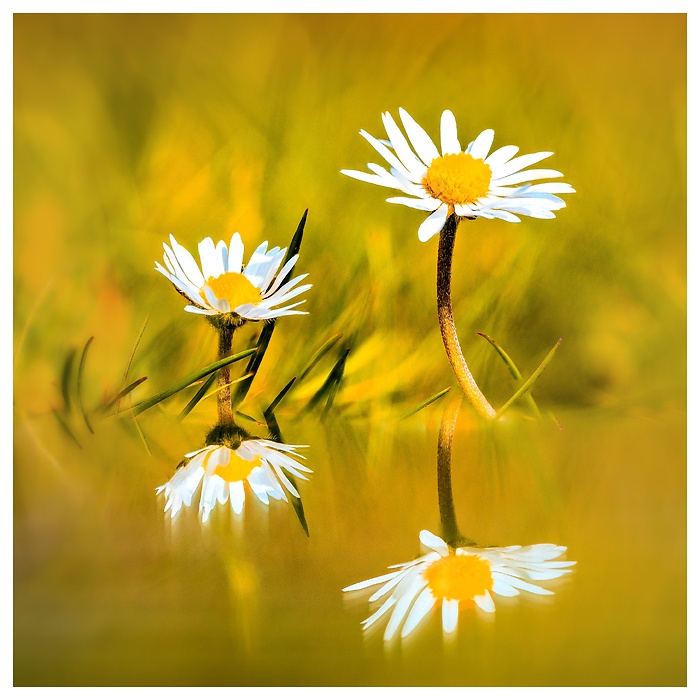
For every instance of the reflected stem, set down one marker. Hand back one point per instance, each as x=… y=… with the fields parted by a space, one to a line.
x=223 y=380
x=446 y=320
x=448 y=517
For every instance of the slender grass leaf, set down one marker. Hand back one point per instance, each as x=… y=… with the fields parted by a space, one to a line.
x=277 y=400
x=123 y=393
x=198 y=396
x=245 y=416
x=66 y=429
x=141 y=434
x=295 y=244
x=191 y=379
x=425 y=403
x=254 y=363
x=330 y=387
x=81 y=370
x=530 y=381
x=319 y=355
x=133 y=353
x=514 y=371
x=66 y=374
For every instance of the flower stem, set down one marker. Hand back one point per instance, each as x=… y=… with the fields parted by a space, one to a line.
x=447 y=324
x=448 y=518
x=223 y=380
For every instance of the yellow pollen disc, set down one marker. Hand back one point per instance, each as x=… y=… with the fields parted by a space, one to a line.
x=236 y=288
x=457 y=178
x=237 y=469
x=459 y=577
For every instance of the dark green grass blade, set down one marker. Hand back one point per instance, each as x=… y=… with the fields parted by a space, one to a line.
x=198 y=396
x=187 y=381
x=319 y=355
x=254 y=363
x=531 y=380
x=514 y=371
x=425 y=403
x=66 y=374
x=81 y=370
x=274 y=428
x=133 y=353
x=330 y=387
x=66 y=428
x=123 y=393
x=278 y=399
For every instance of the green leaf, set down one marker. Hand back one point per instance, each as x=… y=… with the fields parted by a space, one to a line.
x=191 y=379
x=425 y=403
x=141 y=434
x=319 y=354
x=514 y=371
x=66 y=428
x=81 y=370
x=276 y=401
x=531 y=380
x=198 y=396
x=133 y=353
x=66 y=375
x=123 y=393
x=330 y=387
x=254 y=363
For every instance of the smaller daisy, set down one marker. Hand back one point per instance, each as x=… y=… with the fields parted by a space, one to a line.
x=470 y=183
x=465 y=576
x=224 y=472
x=224 y=285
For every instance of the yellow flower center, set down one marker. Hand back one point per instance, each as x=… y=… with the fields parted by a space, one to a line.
x=459 y=577
x=237 y=469
x=236 y=288
x=457 y=178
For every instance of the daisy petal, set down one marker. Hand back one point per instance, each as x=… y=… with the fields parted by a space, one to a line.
x=448 y=134
x=482 y=144
x=450 y=613
x=433 y=224
x=422 y=143
x=433 y=542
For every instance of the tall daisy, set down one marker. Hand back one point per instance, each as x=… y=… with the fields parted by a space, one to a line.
x=223 y=285
x=456 y=579
x=454 y=184
x=471 y=183
x=224 y=473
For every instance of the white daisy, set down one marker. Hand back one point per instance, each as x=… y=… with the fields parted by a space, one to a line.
x=223 y=473
x=223 y=285
x=466 y=575
x=470 y=183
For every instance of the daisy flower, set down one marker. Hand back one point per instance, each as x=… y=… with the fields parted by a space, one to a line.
x=224 y=285
x=470 y=183
x=465 y=576
x=223 y=474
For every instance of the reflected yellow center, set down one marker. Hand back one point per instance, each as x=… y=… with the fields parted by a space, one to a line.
x=457 y=178
x=459 y=577
x=237 y=469
x=236 y=288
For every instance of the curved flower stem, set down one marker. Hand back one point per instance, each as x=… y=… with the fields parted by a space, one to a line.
x=447 y=324
x=448 y=518
x=223 y=379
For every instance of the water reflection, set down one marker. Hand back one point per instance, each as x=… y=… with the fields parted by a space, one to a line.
x=224 y=470
x=455 y=573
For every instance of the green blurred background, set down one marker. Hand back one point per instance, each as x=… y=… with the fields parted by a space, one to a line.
x=130 y=127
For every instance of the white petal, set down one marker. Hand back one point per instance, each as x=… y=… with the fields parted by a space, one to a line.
x=485 y=602
x=433 y=542
x=433 y=224
x=400 y=145
x=420 y=609
x=401 y=608
x=448 y=133
x=187 y=262
x=383 y=608
x=366 y=177
x=237 y=496
x=235 y=253
x=422 y=143
x=428 y=204
x=450 y=613
x=519 y=163
x=524 y=176
x=552 y=188
x=482 y=144
x=370 y=582
x=501 y=155
x=388 y=156
x=203 y=312
x=209 y=258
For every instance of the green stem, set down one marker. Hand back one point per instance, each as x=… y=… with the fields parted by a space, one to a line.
x=448 y=518
x=447 y=324
x=223 y=379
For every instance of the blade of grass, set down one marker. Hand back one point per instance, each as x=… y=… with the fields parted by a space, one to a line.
x=66 y=375
x=223 y=386
x=198 y=396
x=81 y=370
x=330 y=386
x=133 y=353
x=425 y=403
x=123 y=393
x=66 y=428
x=319 y=355
x=531 y=380
x=187 y=381
x=141 y=434
x=254 y=363
x=276 y=401
x=514 y=371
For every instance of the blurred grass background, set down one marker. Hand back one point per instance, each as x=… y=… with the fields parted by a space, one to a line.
x=131 y=127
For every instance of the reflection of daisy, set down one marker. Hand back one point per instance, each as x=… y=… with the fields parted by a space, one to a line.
x=470 y=183
x=224 y=473
x=466 y=575
x=224 y=285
